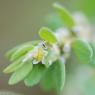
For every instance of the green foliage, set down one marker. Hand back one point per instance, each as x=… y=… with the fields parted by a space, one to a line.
x=59 y=75
x=54 y=22
x=65 y=16
x=93 y=57
x=44 y=61
x=21 y=50
x=47 y=80
x=47 y=35
x=14 y=66
x=87 y=7
x=20 y=73
x=82 y=50
x=35 y=75
x=54 y=76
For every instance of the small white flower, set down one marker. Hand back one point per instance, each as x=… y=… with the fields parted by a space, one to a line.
x=62 y=34
x=36 y=55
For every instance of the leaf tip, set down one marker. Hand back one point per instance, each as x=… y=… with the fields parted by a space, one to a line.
x=11 y=83
x=57 y=6
x=6 y=70
x=47 y=35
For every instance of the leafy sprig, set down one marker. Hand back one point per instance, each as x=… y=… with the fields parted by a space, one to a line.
x=44 y=61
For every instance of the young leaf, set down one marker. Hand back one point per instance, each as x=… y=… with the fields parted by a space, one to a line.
x=47 y=35
x=14 y=66
x=59 y=75
x=21 y=51
x=82 y=51
x=12 y=51
x=65 y=16
x=47 y=82
x=35 y=75
x=55 y=76
x=20 y=73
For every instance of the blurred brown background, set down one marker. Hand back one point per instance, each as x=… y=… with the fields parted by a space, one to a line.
x=20 y=21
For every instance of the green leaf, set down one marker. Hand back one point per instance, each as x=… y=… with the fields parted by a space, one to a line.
x=92 y=62
x=20 y=73
x=55 y=76
x=47 y=35
x=35 y=75
x=47 y=82
x=59 y=75
x=54 y=22
x=21 y=51
x=14 y=66
x=82 y=51
x=65 y=16
x=10 y=53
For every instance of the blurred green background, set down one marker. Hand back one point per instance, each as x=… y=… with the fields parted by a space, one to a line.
x=20 y=21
